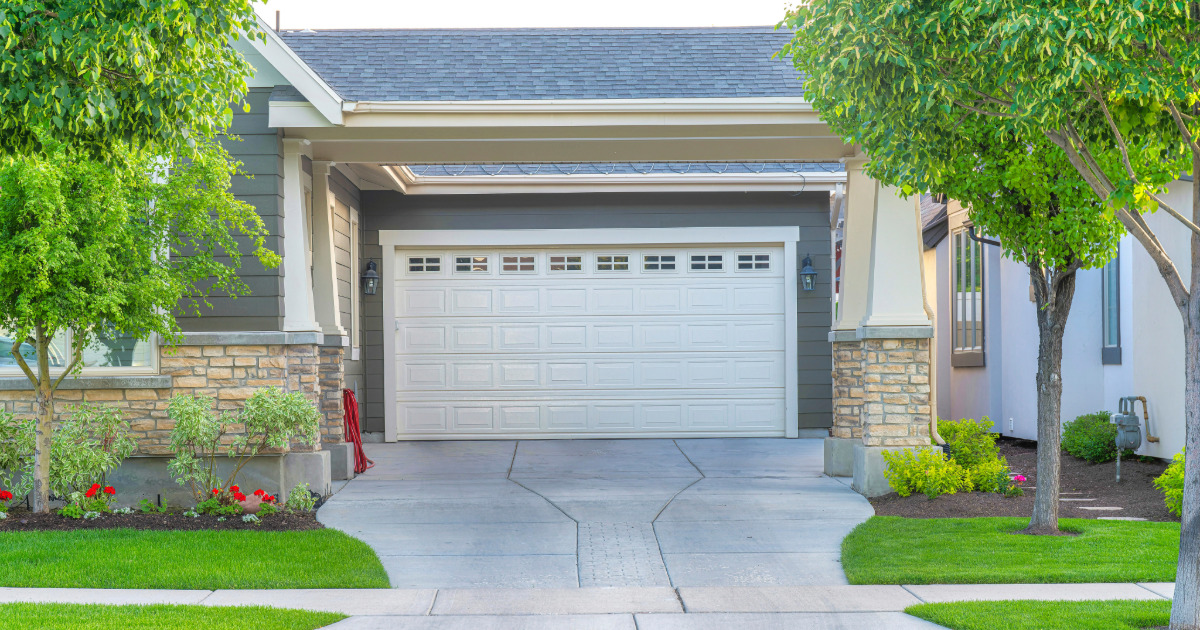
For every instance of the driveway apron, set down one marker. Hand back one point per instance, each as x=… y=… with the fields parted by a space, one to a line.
x=587 y=513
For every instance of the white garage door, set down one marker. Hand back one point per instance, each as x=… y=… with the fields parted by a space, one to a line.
x=582 y=342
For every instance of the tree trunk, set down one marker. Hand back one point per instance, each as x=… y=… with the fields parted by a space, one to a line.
x=1053 y=293
x=44 y=407
x=1185 y=610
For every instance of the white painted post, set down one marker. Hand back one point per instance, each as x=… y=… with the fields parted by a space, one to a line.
x=325 y=291
x=298 y=312
x=896 y=292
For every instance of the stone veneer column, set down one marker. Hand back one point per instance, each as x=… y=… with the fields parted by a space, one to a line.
x=331 y=373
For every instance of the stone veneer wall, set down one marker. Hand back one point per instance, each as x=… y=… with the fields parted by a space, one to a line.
x=229 y=374
x=881 y=391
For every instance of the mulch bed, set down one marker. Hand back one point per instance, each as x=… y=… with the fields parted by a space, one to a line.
x=18 y=521
x=1136 y=494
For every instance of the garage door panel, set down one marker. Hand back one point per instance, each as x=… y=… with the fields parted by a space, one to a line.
x=612 y=334
x=479 y=373
x=614 y=341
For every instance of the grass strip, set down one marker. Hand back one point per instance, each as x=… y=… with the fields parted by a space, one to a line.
x=127 y=558
x=1039 y=615
x=895 y=550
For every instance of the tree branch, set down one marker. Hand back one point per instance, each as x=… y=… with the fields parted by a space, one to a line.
x=1183 y=129
x=16 y=352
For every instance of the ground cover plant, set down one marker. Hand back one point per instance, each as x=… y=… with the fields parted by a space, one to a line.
x=100 y=617
x=894 y=550
x=126 y=558
x=1038 y=615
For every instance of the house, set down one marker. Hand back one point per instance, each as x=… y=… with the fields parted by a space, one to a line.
x=570 y=233
x=1124 y=336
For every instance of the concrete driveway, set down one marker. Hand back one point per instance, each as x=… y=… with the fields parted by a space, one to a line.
x=582 y=513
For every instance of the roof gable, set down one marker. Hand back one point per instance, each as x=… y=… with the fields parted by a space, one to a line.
x=544 y=64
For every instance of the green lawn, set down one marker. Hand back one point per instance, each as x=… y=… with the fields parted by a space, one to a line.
x=894 y=550
x=97 y=617
x=1030 y=615
x=126 y=558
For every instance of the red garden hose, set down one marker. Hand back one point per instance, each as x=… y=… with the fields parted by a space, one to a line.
x=361 y=463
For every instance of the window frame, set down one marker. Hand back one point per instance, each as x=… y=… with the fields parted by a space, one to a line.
x=144 y=370
x=960 y=354
x=628 y=262
x=674 y=262
x=565 y=255
x=1110 y=354
x=518 y=271
x=753 y=262
x=708 y=261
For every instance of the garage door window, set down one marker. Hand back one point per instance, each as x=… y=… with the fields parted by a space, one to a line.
x=754 y=262
x=424 y=264
x=518 y=264
x=612 y=262
x=471 y=264
x=658 y=262
x=566 y=262
x=708 y=262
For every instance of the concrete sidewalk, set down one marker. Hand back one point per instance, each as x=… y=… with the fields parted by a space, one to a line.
x=625 y=608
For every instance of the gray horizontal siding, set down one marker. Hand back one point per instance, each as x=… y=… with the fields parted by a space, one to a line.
x=385 y=210
x=260 y=150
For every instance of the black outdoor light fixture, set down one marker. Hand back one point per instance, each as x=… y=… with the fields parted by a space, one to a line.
x=370 y=279
x=808 y=275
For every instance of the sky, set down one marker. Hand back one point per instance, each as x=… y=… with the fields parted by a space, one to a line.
x=326 y=14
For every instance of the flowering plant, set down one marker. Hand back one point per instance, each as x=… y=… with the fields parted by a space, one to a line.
x=5 y=497
x=90 y=503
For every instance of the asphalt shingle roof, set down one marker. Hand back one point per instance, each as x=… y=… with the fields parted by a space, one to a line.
x=530 y=64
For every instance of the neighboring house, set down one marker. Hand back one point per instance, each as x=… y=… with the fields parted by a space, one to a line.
x=1124 y=336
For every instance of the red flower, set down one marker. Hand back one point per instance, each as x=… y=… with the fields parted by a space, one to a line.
x=239 y=496
x=215 y=491
x=91 y=492
x=260 y=493
x=109 y=490
x=95 y=486
x=234 y=489
x=5 y=495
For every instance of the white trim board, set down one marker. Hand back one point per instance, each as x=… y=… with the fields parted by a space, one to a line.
x=787 y=236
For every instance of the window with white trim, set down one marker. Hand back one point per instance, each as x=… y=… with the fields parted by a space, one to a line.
x=110 y=351
x=612 y=262
x=566 y=262
x=754 y=262
x=471 y=264
x=1110 y=351
x=966 y=286
x=524 y=263
x=707 y=262
x=424 y=264
x=658 y=262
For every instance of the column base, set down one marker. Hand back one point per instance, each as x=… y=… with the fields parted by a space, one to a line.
x=311 y=468
x=868 y=470
x=839 y=456
x=341 y=460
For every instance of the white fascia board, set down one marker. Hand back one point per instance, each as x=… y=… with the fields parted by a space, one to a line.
x=513 y=184
x=584 y=237
x=299 y=74
x=284 y=114
x=602 y=105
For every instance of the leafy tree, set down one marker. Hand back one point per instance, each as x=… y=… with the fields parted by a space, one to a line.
x=146 y=72
x=119 y=246
x=1114 y=85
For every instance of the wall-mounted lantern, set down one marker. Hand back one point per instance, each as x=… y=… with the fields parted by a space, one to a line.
x=808 y=275
x=370 y=279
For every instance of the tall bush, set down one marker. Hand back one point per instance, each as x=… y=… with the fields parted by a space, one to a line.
x=1092 y=437
x=88 y=444
x=971 y=442
x=16 y=456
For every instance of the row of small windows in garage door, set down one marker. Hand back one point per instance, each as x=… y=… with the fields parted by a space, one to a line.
x=528 y=263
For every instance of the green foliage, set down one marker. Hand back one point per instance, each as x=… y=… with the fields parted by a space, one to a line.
x=267 y=509
x=71 y=510
x=971 y=442
x=16 y=457
x=146 y=506
x=924 y=470
x=157 y=73
x=1092 y=437
x=216 y=507
x=1170 y=483
x=300 y=499
x=270 y=419
x=992 y=475
x=87 y=445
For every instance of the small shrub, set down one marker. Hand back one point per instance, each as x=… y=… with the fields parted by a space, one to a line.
x=1092 y=437
x=86 y=446
x=301 y=499
x=146 y=506
x=16 y=458
x=270 y=419
x=1170 y=483
x=993 y=476
x=971 y=442
x=924 y=470
x=215 y=506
